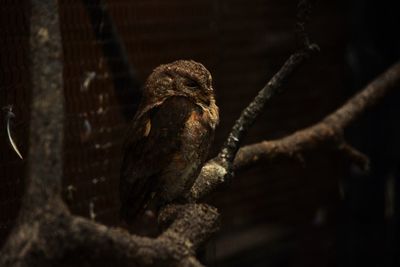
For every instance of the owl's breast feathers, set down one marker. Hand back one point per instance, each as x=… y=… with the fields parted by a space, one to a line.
x=164 y=151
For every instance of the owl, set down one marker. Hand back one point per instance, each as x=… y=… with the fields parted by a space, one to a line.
x=169 y=137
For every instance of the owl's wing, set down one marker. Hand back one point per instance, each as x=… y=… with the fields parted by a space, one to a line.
x=153 y=140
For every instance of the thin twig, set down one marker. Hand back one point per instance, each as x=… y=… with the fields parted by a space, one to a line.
x=304 y=8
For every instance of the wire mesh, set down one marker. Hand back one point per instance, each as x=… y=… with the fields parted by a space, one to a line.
x=14 y=92
x=241 y=44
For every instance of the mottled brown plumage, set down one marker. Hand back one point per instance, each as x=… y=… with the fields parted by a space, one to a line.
x=169 y=138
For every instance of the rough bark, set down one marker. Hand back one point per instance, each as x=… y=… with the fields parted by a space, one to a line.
x=328 y=132
x=220 y=167
x=46 y=130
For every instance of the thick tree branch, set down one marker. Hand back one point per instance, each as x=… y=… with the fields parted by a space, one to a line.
x=327 y=132
x=46 y=127
x=59 y=239
x=192 y=225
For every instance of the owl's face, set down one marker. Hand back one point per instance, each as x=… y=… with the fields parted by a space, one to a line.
x=180 y=78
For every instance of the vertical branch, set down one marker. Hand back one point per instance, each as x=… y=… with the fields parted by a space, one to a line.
x=253 y=110
x=127 y=86
x=304 y=8
x=218 y=169
x=250 y=114
x=47 y=107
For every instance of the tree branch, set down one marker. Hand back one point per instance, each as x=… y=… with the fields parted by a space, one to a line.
x=327 y=132
x=192 y=224
x=217 y=170
x=127 y=87
x=254 y=109
x=304 y=8
x=47 y=116
x=59 y=239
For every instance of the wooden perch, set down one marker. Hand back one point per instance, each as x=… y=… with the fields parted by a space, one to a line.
x=57 y=238
x=191 y=225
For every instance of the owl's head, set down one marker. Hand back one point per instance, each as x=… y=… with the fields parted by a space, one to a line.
x=180 y=78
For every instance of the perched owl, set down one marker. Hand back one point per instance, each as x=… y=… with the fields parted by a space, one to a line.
x=169 y=138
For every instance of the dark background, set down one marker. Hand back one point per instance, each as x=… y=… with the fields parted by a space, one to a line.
x=320 y=212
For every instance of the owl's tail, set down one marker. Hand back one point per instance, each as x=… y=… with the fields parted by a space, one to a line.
x=135 y=200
